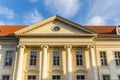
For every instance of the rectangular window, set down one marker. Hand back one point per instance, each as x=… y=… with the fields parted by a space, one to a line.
x=106 y=77
x=56 y=58
x=117 y=58
x=5 y=77
x=80 y=77
x=79 y=58
x=9 y=58
x=56 y=77
x=33 y=57
x=31 y=77
x=103 y=58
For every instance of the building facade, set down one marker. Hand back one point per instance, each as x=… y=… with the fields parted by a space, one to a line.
x=58 y=49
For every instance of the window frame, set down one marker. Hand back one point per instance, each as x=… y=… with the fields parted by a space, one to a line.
x=56 y=75
x=118 y=77
x=117 y=58
x=32 y=76
x=80 y=75
x=30 y=57
x=5 y=60
x=60 y=58
x=106 y=75
x=106 y=64
x=82 y=58
x=6 y=75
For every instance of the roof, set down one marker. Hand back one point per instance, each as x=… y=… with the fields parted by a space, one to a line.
x=103 y=29
x=8 y=30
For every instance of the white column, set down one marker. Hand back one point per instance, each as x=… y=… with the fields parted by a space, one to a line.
x=20 y=63
x=69 y=62
x=93 y=63
x=44 y=63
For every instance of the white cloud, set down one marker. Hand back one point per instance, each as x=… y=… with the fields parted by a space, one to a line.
x=65 y=8
x=32 y=17
x=97 y=20
x=7 y=23
x=117 y=21
x=105 y=8
x=33 y=1
x=9 y=13
x=2 y=23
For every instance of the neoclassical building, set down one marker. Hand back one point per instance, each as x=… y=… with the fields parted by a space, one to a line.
x=59 y=49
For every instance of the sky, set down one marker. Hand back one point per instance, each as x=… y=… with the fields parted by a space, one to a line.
x=83 y=12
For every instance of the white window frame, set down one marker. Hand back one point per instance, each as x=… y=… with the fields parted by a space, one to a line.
x=30 y=57
x=117 y=58
x=82 y=58
x=103 y=58
x=32 y=78
x=6 y=75
x=60 y=59
x=6 y=57
x=80 y=75
x=56 y=75
x=106 y=75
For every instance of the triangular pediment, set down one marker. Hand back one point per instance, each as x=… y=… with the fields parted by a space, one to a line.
x=55 y=26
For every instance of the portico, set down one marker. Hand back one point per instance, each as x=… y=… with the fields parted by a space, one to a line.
x=58 y=53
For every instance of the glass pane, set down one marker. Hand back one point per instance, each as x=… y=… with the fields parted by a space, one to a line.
x=56 y=77
x=5 y=77
x=56 y=57
x=31 y=77
x=79 y=60
x=80 y=77
x=33 y=57
x=106 y=77
x=9 y=56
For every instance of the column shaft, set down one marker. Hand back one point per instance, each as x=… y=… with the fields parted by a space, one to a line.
x=44 y=63
x=69 y=62
x=20 y=63
x=93 y=64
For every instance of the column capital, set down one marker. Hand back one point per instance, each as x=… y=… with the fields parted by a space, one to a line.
x=44 y=46
x=91 y=46
x=21 y=46
x=67 y=46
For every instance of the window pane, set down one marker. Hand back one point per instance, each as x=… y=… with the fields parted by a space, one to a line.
x=56 y=58
x=9 y=57
x=117 y=58
x=106 y=77
x=103 y=58
x=80 y=77
x=79 y=58
x=5 y=77
x=56 y=77
x=33 y=57
x=31 y=77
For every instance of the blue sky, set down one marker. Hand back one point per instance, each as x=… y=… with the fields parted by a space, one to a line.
x=84 y=12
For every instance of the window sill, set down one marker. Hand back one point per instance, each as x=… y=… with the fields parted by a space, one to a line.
x=7 y=67
x=80 y=66
x=117 y=66
x=104 y=66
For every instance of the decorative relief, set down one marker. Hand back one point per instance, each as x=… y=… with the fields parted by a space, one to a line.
x=57 y=71
x=81 y=71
